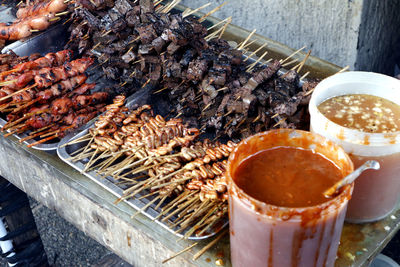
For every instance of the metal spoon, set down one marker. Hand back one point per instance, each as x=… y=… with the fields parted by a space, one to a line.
x=370 y=164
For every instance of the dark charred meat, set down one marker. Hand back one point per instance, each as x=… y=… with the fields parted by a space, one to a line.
x=205 y=82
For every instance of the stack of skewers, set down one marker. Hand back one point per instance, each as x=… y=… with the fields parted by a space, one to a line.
x=161 y=158
x=48 y=96
x=208 y=82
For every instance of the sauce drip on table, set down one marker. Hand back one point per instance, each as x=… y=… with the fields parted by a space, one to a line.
x=287 y=177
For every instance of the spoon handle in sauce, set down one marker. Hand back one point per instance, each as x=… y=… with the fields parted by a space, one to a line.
x=370 y=164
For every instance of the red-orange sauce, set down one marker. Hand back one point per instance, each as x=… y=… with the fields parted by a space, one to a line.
x=287 y=176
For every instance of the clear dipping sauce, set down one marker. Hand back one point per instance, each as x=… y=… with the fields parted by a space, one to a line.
x=290 y=169
x=287 y=176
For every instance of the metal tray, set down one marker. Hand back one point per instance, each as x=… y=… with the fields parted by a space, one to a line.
x=52 y=40
x=160 y=106
x=64 y=152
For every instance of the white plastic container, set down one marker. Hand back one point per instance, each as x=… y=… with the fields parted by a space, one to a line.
x=383 y=261
x=376 y=192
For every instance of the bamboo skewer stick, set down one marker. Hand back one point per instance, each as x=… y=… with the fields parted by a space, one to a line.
x=177 y=200
x=62 y=129
x=170 y=6
x=26 y=116
x=279 y=122
x=8 y=82
x=224 y=27
x=199 y=223
x=218 y=32
x=141 y=169
x=68 y=20
x=61 y=13
x=211 y=224
x=156 y=3
x=145 y=207
x=77 y=151
x=203 y=18
x=161 y=202
x=90 y=160
x=217 y=24
x=190 y=12
x=148 y=195
x=125 y=164
x=344 y=69
x=26 y=105
x=304 y=61
x=115 y=170
x=172 y=205
x=159 y=91
x=18 y=129
x=43 y=128
x=7 y=72
x=171 y=182
x=204 y=206
x=83 y=155
x=305 y=75
x=209 y=245
x=43 y=140
x=180 y=252
x=83 y=138
x=249 y=69
x=31 y=136
x=103 y=164
x=247 y=39
x=289 y=63
x=87 y=147
x=55 y=19
x=256 y=51
x=291 y=55
x=248 y=44
x=181 y=207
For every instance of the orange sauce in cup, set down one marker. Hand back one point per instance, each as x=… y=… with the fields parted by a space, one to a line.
x=287 y=176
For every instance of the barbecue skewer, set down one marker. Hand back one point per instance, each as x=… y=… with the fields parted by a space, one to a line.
x=203 y=18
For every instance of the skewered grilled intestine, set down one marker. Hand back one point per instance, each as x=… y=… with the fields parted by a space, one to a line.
x=206 y=164
x=138 y=131
x=127 y=145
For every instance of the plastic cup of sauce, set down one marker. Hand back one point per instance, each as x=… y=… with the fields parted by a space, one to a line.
x=278 y=215
x=360 y=111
